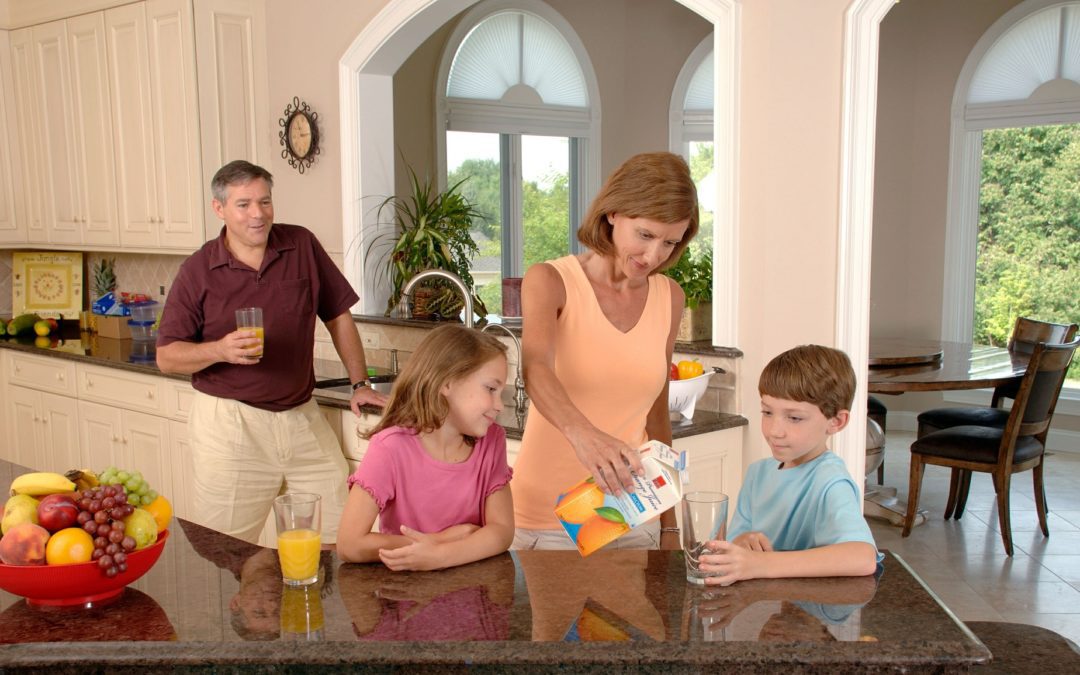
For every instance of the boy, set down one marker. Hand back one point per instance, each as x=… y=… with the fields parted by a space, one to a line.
x=798 y=513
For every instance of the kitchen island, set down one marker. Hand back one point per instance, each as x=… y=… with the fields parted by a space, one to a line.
x=213 y=603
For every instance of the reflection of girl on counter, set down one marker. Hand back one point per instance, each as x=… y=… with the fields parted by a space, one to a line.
x=435 y=472
x=470 y=602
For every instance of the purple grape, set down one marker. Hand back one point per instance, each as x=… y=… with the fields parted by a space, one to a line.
x=112 y=549
x=90 y=526
x=95 y=505
x=120 y=498
x=128 y=543
x=83 y=517
x=100 y=542
x=105 y=561
x=104 y=529
x=122 y=567
x=116 y=536
x=84 y=503
x=98 y=552
x=110 y=571
x=101 y=517
x=108 y=503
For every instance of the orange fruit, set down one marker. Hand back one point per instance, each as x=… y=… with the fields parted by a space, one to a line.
x=580 y=504
x=161 y=510
x=598 y=532
x=68 y=546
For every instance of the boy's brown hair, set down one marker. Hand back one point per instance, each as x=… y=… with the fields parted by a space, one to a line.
x=653 y=185
x=812 y=374
x=448 y=353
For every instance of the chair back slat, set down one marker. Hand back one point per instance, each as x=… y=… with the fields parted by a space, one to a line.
x=1029 y=332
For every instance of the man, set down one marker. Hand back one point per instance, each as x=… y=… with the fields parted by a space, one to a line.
x=254 y=429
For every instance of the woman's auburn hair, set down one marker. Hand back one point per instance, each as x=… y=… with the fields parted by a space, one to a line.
x=448 y=353
x=653 y=185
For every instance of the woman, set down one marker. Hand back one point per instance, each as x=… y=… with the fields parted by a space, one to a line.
x=598 y=339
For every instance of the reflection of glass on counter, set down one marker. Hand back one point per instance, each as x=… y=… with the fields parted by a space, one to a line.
x=778 y=610
x=470 y=602
x=302 y=612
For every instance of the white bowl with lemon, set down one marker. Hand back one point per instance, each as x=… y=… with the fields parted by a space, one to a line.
x=683 y=394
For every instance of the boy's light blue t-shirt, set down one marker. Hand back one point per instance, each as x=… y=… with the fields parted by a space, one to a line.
x=808 y=506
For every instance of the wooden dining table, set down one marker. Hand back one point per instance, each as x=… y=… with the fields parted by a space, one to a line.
x=899 y=365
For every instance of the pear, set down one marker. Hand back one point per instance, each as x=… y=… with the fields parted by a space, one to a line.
x=19 y=509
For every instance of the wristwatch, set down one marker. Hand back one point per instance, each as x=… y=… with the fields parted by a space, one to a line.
x=362 y=383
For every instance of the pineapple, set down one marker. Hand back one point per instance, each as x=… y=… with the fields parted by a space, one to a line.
x=104 y=276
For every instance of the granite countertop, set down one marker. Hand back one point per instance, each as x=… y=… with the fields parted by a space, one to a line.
x=132 y=356
x=214 y=601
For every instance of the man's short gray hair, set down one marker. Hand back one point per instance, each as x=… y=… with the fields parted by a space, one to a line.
x=237 y=172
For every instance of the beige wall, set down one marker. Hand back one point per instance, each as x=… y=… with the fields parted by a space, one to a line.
x=636 y=47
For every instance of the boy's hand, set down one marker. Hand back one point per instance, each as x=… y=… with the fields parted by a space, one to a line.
x=730 y=562
x=753 y=541
x=422 y=554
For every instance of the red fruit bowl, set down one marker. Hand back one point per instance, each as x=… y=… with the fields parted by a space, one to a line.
x=79 y=584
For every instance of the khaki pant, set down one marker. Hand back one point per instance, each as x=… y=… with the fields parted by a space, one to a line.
x=644 y=536
x=244 y=457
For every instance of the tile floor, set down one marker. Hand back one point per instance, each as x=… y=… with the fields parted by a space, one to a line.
x=964 y=561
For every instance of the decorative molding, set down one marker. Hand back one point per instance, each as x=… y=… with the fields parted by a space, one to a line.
x=857 y=141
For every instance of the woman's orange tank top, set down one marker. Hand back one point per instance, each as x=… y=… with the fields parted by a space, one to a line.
x=612 y=377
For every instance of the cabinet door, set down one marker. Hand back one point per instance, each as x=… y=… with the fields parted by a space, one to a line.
x=231 y=52
x=181 y=469
x=29 y=197
x=133 y=133
x=92 y=125
x=60 y=161
x=175 y=110
x=100 y=436
x=146 y=448
x=11 y=230
x=60 y=424
x=23 y=412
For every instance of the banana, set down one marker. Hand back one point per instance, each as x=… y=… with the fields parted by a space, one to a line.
x=84 y=479
x=41 y=483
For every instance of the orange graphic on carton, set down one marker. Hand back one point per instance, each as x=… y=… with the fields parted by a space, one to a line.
x=593 y=519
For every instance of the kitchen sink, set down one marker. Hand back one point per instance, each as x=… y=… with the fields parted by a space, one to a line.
x=380 y=383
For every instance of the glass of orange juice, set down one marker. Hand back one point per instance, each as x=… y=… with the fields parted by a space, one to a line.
x=251 y=318
x=299 y=526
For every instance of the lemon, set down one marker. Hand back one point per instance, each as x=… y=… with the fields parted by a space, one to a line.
x=42 y=328
x=141 y=527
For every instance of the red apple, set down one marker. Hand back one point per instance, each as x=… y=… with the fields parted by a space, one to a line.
x=55 y=512
x=673 y=373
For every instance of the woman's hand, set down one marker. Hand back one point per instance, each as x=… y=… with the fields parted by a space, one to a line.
x=608 y=459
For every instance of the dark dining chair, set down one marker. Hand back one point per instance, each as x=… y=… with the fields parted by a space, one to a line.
x=1018 y=446
x=1026 y=334
x=877 y=411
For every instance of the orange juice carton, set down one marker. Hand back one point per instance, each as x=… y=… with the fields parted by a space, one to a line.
x=594 y=519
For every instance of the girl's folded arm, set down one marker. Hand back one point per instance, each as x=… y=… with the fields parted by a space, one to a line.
x=356 y=542
x=493 y=538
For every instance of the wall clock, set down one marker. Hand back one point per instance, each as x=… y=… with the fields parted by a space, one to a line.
x=299 y=135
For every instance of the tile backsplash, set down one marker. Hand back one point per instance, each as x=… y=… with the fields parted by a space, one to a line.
x=135 y=272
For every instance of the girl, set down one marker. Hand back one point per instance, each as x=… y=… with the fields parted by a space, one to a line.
x=435 y=472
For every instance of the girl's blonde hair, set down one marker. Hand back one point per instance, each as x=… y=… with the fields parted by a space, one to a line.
x=448 y=353
x=653 y=185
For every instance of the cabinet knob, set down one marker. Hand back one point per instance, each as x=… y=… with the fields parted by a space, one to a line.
x=150 y=394
x=115 y=439
x=89 y=382
x=60 y=376
x=124 y=441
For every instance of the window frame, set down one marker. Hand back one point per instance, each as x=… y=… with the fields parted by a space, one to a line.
x=965 y=171
x=512 y=120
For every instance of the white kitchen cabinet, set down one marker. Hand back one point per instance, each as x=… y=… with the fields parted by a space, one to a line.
x=44 y=429
x=26 y=120
x=183 y=466
x=155 y=131
x=76 y=132
x=127 y=440
x=715 y=461
x=11 y=229
x=230 y=48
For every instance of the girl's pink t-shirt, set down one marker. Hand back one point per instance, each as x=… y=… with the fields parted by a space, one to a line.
x=416 y=490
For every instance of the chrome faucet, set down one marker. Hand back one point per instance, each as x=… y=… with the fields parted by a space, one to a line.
x=403 y=304
x=519 y=384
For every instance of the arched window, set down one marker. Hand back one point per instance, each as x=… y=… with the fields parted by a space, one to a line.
x=691 y=131
x=518 y=122
x=1018 y=96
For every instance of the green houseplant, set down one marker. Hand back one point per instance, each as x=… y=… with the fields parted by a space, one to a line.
x=431 y=230
x=694 y=275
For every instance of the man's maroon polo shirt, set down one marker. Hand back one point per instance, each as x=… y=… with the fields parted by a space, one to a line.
x=297 y=282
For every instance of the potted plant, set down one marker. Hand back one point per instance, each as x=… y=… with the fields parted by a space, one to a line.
x=431 y=230
x=694 y=274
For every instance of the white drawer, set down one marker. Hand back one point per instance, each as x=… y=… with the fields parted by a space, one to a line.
x=178 y=398
x=122 y=388
x=40 y=372
x=352 y=443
